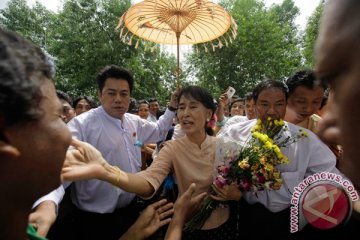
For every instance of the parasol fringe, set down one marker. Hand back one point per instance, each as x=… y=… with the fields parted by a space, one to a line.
x=220 y=44
x=234 y=33
x=234 y=23
x=120 y=22
x=130 y=41
x=121 y=31
x=124 y=37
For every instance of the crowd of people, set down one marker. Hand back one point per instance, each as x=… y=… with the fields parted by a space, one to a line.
x=53 y=149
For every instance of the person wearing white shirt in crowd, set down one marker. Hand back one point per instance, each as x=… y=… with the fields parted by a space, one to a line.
x=236 y=108
x=153 y=110
x=307 y=156
x=100 y=209
x=305 y=97
x=250 y=112
x=250 y=108
x=304 y=100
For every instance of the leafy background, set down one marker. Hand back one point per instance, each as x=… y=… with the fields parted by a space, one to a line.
x=82 y=38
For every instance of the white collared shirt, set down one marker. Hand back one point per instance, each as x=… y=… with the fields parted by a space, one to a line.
x=117 y=141
x=307 y=156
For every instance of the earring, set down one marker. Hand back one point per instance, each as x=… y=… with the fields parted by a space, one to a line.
x=208 y=119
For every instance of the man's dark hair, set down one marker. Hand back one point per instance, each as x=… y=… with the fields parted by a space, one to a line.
x=305 y=78
x=143 y=101
x=152 y=100
x=133 y=106
x=89 y=99
x=236 y=100
x=23 y=70
x=64 y=96
x=249 y=96
x=113 y=71
x=268 y=84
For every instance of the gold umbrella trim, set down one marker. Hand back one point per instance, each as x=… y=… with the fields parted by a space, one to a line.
x=160 y=20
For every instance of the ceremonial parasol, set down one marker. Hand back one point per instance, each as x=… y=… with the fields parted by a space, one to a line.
x=178 y=22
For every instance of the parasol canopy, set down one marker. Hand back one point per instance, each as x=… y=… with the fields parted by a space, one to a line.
x=177 y=22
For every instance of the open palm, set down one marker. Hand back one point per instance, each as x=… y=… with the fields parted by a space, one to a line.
x=83 y=162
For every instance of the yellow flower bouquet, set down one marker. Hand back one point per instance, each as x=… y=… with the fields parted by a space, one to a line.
x=251 y=165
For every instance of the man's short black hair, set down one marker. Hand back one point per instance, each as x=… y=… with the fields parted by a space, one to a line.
x=267 y=84
x=305 y=78
x=64 y=96
x=152 y=100
x=113 y=71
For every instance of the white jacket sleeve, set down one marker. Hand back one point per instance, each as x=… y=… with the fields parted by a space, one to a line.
x=55 y=196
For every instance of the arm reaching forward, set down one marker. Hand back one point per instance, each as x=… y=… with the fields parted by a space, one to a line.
x=184 y=207
x=86 y=162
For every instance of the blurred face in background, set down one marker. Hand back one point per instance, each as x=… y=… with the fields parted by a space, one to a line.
x=250 y=109
x=68 y=111
x=303 y=103
x=82 y=106
x=154 y=108
x=143 y=111
x=237 y=108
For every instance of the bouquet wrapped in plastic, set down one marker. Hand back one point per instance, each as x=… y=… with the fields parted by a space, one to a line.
x=250 y=164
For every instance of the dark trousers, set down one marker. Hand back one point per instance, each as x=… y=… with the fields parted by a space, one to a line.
x=78 y=224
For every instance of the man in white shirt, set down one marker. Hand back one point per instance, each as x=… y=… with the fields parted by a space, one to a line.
x=270 y=209
x=305 y=97
x=102 y=211
x=153 y=109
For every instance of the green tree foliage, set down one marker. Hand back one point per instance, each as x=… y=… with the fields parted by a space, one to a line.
x=82 y=38
x=267 y=46
x=33 y=23
x=311 y=33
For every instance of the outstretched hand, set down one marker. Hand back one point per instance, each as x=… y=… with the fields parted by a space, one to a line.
x=188 y=204
x=83 y=162
x=151 y=219
x=185 y=206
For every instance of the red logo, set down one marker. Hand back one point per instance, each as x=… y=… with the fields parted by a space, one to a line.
x=325 y=206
